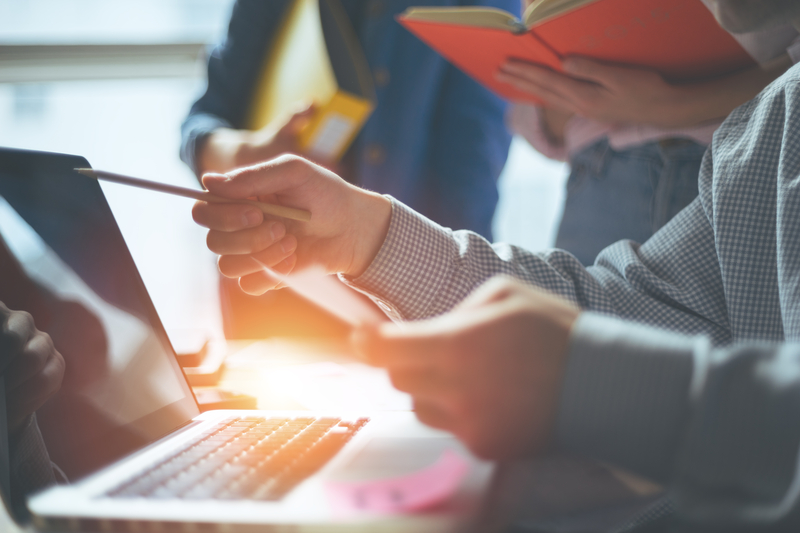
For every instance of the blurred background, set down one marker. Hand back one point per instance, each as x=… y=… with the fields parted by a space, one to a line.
x=112 y=81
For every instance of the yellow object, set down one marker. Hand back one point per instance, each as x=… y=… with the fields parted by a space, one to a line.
x=307 y=64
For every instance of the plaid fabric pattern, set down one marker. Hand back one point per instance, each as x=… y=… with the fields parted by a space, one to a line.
x=727 y=266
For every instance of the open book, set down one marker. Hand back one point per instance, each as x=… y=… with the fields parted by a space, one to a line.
x=316 y=57
x=678 y=38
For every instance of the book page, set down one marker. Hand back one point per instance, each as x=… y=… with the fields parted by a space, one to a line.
x=680 y=39
x=481 y=17
x=540 y=10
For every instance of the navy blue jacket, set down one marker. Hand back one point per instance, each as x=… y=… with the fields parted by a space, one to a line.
x=436 y=140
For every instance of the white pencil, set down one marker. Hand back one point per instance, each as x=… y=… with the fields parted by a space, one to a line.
x=205 y=196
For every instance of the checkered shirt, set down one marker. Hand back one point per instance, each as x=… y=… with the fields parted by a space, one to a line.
x=727 y=266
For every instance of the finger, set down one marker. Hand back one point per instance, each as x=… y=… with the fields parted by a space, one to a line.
x=258 y=283
x=550 y=98
x=595 y=71
x=226 y=217
x=30 y=361
x=424 y=382
x=236 y=266
x=246 y=241
x=261 y=282
x=15 y=332
x=568 y=87
x=270 y=177
x=544 y=77
x=532 y=72
x=416 y=345
x=432 y=415
x=24 y=400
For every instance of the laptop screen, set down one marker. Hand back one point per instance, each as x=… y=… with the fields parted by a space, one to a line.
x=63 y=259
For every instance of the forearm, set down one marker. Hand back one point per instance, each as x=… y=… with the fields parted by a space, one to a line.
x=718 y=426
x=694 y=103
x=423 y=270
x=625 y=396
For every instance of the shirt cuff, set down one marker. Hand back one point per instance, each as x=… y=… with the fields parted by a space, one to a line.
x=194 y=130
x=411 y=266
x=626 y=394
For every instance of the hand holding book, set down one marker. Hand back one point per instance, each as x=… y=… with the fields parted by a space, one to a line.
x=677 y=38
x=616 y=94
x=602 y=92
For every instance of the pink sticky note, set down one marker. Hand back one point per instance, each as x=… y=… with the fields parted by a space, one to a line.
x=412 y=492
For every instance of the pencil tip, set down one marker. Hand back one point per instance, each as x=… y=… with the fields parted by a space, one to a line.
x=85 y=171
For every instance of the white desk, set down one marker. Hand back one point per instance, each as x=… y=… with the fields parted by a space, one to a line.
x=313 y=374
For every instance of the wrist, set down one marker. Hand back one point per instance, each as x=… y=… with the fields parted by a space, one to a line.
x=682 y=108
x=373 y=215
x=553 y=123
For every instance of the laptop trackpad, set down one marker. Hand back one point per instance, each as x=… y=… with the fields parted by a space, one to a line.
x=384 y=457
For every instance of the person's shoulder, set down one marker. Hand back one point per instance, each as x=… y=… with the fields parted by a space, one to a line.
x=788 y=82
x=778 y=104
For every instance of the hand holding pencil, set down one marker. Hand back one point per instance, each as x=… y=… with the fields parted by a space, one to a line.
x=345 y=233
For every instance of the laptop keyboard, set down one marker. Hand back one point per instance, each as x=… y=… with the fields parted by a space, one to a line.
x=244 y=458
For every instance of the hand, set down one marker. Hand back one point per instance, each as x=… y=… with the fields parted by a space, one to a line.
x=602 y=92
x=617 y=94
x=346 y=230
x=490 y=371
x=30 y=365
x=226 y=149
x=554 y=124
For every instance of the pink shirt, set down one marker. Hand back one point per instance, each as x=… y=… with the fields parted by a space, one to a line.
x=580 y=132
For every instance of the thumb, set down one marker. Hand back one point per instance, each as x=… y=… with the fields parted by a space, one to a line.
x=588 y=69
x=214 y=182
x=271 y=177
x=364 y=339
x=388 y=345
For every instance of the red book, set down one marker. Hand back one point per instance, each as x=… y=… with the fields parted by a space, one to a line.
x=678 y=38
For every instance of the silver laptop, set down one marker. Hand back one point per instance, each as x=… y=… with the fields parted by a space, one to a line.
x=127 y=432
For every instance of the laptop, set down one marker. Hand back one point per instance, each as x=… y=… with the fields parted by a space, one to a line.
x=127 y=432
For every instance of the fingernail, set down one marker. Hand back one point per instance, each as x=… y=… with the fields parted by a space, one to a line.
x=252 y=218
x=214 y=177
x=276 y=231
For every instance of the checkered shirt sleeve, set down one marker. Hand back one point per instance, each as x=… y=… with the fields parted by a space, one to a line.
x=727 y=266
x=679 y=408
